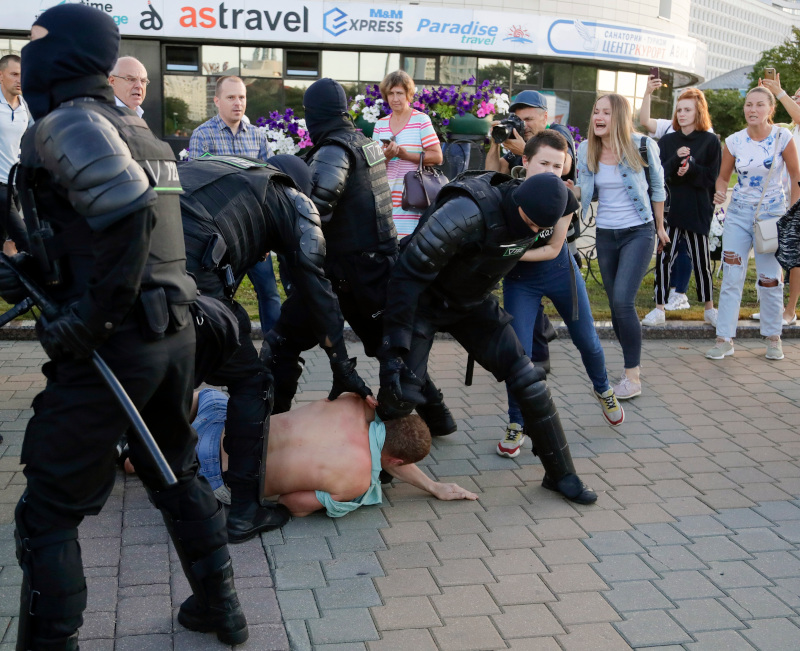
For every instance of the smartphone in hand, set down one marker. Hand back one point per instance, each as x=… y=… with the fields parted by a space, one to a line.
x=769 y=73
x=655 y=73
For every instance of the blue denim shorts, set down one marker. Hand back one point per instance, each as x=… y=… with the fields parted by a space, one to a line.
x=212 y=409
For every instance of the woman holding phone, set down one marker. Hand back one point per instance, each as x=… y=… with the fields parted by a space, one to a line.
x=405 y=134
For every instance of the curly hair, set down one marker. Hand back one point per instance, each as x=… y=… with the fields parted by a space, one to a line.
x=407 y=438
x=397 y=78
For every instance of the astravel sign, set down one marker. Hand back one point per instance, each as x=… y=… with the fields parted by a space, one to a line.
x=391 y=26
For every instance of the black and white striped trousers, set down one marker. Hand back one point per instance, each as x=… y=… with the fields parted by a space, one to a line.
x=698 y=250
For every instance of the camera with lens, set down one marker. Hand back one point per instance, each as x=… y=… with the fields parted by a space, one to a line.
x=505 y=128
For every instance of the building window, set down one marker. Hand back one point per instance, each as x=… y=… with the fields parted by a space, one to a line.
x=181 y=59
x=665 y=9
x=302 y=63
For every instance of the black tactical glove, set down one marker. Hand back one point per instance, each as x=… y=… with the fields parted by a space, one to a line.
x=391 y=367
x=272 y=341
x=11 y=289
x=68 y=337
x=345 y=379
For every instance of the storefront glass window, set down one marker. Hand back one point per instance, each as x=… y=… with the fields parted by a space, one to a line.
x=527 y=75
x=497 y=71
x=606 y=81
x=186 y=103
x=420 y=68
x=557 y=75
x=262 y=61
x=374 y=66
x=302 y=63
x=454 y=69
x=263 y=96
x=219 y=60
x=181 y=59
x=584 y=78
x=340 y=65
x=626 y=83
x=11 y=46
x=581 y=110
x=558 y=106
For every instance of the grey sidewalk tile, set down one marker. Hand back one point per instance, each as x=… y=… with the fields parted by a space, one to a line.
x=144 y=616
x=776 y=511
x=510 y=537
x=316 y=525
x=728 y=640
x=761 y=540
x=756 y=603
x=407 y=583
x=407 y=556
x=346 y=566
x=364 y=518
x=688 y=584
x=742 y=518
x=297 y=632
x=583 y=608
x=735 y=574
x=597 y=637
x=564 y=552
x=311 y=549
x=260 y=605
x=352 y=542
x=405 y=612
x=649 y=535
x=696 y=615
x=612 y=542
x=341 y=626
x=143 y=565
x=628 y=596
x=773 y=634
x=297 y=604
x=651 y=628
x=460 y=546
x=468 y=571
x=408 y=640
x=776 y=565
x=409 y=532
x=144 y=643
x=671 y=558
x=718 y=548
x=347 y=593
x=527 y=621
x=295 y=576
x=468 y=634
x=627 y=567
x=457 y=524
x=573 y=578
x=694 y=526
x=464 y=601
x=520 y=589
x=263 y=637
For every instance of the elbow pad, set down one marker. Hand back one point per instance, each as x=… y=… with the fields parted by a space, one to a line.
x=307 y=231
x=330 y=168
x=440 y=237
x=85 y=154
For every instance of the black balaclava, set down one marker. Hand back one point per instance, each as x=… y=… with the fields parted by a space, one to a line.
x=295 y=167
x=73 y=60
x=542 y=197
x=325 y=103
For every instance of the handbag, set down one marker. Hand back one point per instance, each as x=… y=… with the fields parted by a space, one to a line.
x=421 y=186
x=765 y=231
x=788 y=253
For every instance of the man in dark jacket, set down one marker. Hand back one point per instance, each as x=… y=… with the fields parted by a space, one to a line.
x=109 y=248
x=234 y=211
x=350 y=190
x=476 y=231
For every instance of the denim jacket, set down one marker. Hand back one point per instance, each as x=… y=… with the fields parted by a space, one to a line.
x=637 y=190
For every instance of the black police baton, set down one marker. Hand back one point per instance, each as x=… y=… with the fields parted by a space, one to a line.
x=50 y=312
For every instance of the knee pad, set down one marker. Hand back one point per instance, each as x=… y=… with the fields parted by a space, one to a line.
x=250 y=400
x=526 y=383
x=192 y=500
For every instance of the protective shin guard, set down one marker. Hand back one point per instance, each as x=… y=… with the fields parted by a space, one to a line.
x=286 y=369
x=214 y=605
x=53 y=591
x=435 y=413
x=543 y=425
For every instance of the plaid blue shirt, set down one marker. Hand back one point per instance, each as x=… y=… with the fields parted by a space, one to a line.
x=217 y=138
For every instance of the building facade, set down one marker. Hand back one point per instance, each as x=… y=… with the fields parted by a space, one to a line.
x=570 y=51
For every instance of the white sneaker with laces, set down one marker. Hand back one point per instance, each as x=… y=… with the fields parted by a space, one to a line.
x=710 y=317
x=627 y=388
x=511 y=445
x=677 y=302
x=655 y=318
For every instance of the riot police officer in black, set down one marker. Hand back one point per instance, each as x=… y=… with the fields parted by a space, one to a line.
x=350 y=189
x=478 y=228
x=112 y=256
x=234 y=211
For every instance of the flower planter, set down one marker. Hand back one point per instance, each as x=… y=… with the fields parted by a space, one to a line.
x=470 y=125
x=366 y=127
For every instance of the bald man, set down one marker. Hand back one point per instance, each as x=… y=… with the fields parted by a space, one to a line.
x=129 y=81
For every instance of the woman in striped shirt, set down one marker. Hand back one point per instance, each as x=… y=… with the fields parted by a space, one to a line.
x=405 y=133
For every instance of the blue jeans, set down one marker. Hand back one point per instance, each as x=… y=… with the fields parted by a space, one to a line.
x=523 y=289
x=737 y=238
x=262 y=275
x=623 y=255
x=212 y=409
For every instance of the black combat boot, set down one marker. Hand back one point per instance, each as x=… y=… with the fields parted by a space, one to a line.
x=435 y=413
x=248 y=517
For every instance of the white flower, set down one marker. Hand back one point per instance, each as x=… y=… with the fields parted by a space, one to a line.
x=183 y=155
x=354 y=108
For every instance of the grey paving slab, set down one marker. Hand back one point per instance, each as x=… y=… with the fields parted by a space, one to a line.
x=651 y=628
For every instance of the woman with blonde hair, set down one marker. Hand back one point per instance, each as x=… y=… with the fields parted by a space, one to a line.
x=630 y=214
x=405 y=134
x=759 y=153
x=690 y=156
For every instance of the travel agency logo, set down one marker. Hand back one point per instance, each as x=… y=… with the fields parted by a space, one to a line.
x=336 y=22
x=105 y=7
x=518 y=34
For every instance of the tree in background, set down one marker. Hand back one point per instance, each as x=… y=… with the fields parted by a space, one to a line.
x=785 y=58
x=727 y=111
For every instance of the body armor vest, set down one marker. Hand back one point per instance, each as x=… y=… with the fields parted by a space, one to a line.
x=362 y=219
x=222 y=209
x=475 y=270
x=72 y=240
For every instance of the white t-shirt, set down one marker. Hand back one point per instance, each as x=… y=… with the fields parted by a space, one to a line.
x=615 y=207
x=753 y=161
x=663 y=127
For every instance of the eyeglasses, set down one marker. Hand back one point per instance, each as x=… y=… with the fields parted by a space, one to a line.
x=132 y=80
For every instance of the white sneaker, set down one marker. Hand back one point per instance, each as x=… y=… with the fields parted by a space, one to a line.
x=627 y=388
x=612 y=410
x=655 y=318
x=774 y=349
x=677 y=302
x=710 y=317
x=720 y=350
x=756 y=316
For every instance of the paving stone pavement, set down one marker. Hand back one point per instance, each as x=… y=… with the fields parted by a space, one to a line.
x=694 y=543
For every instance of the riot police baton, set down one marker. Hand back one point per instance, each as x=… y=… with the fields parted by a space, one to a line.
x=470 y=371
x=50 y=312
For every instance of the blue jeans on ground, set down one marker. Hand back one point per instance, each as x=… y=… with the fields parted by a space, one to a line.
x=262 y=275
x=212 y=409
x=623 y=255
x=737 y=238
x=681 y=271
x=523 y=289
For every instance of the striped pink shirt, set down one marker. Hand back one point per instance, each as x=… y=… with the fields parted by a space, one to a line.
x=414 y=137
